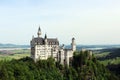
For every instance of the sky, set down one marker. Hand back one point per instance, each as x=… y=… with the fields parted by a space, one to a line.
x=88 y=21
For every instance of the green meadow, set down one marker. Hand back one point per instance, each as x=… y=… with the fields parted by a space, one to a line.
x=108 y=58
x=15 y=54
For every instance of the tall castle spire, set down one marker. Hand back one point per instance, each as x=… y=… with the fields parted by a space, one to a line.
x=39 y=32
x=45 y=36
x=45 y=39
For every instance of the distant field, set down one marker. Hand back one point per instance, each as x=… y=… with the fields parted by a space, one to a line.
x=111 y=61
x=14 y=54
x=110 y=56
x=104 y=54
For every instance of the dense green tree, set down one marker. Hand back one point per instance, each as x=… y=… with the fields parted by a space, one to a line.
x=84 y=67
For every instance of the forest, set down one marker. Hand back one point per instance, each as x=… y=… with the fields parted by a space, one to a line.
x=83 y=67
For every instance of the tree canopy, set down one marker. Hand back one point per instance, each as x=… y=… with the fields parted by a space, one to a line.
x=84 y=67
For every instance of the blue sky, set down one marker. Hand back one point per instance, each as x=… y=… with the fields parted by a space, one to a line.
x=89 y=21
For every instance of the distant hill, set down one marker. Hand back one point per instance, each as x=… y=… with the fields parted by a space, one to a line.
x=110 y=58
x=113 y=53
x=79 y=47
x=13 y=46
x=94 y=47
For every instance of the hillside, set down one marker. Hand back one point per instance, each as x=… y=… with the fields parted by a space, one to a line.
x=113 y=53
x=110 y=58
x=13 y=46
x=14 y=54
x=94 y=47
x=83 y=67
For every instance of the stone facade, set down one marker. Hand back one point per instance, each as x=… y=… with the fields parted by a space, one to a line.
x=43 y=48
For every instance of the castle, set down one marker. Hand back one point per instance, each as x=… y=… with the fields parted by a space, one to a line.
x=43 y=48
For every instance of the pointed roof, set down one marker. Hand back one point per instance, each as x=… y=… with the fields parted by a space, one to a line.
x=45 y=36
x=39 y=29
x=50 y=41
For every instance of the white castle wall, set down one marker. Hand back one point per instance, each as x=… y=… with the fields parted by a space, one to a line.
x=45 y=51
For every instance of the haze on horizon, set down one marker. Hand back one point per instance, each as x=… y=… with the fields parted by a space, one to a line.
x=89 y=21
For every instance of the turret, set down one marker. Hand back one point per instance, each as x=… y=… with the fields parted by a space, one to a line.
x=39 y=32
x=45 y=39
x=73 y=44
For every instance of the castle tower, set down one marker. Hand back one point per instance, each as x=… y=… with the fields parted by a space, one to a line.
x=39 y=32
x=73 y=44
x=43 y=47
x=45 y=39
x=46 y=46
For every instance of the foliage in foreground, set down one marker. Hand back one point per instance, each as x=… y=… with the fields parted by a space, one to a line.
x=83 y=67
